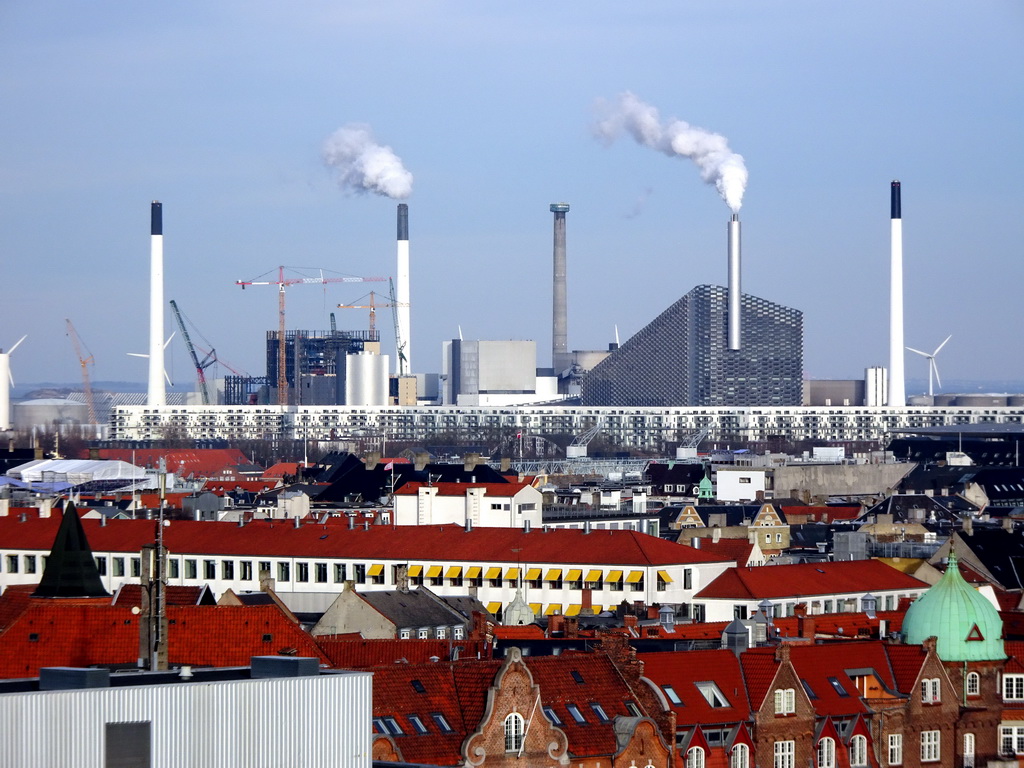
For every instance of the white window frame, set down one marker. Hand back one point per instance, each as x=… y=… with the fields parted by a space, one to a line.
x=973 y=684
x=826 y=752
x=695 y=757
x=785 y=701
x=931 y=746
x=739 y=757
x=895 y=749
x=514 y=732
x=1013 y=687
x=969 y=745
x=784 y=754
x=858 y=751
x=1011 y=740
x=931 y=691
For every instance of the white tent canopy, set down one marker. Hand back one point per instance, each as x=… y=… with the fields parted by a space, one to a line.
x=77 y=471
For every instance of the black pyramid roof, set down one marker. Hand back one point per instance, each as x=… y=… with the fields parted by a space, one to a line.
x=70 y=569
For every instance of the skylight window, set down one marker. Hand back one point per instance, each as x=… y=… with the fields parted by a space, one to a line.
x=577 y=677
x=672 y=695
x=417 y=724
x=599 y=711
x=712 y=694
x=393 y=727
x=418 y=686
x=838 y=686
x=576 y=714
x=439 y=719
x=552 y=716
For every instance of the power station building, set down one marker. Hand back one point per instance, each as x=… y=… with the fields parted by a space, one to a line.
x=682 y=358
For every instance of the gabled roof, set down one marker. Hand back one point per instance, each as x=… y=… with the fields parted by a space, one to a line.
x=131 y=594
x=440 y=543
x=807 y=580
x=414 y=608
x=462 y=489
x=196 y=462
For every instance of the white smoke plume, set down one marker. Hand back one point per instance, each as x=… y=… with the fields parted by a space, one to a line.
x=718 y=164
x=363 y=165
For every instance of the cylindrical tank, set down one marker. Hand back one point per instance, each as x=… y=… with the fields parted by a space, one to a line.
x=47 y=411
x=981 y=401
x=1015 y=401
x=919 y=400
x=945 y=399
x=366 y=379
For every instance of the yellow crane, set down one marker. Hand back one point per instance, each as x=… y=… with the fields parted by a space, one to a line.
x=372 y=306
x=85 y=362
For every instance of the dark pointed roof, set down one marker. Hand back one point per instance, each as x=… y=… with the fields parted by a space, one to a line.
x=70 y=569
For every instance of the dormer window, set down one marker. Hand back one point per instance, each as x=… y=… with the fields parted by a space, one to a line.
x=785 y=701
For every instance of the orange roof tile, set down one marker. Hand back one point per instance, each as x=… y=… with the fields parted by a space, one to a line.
x=807 y=579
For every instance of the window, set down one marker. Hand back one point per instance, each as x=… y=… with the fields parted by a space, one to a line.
x=599 y=711
x=929 y=746
x=101 y=566
x=552 y=716
x=209 y=570
x=441 y=723
x=514 y=732
x=687 y=578
x=404 y=634
x=672 y=695
x=227 y=569
x=1011 y=740
x=393 y=727
x=191 y=568
x=574 y=711
x=360 y=573
x=136 y=567
x=415 y=721
x=973 y=684
x=423 y=634
x=827 y=753
x=321 y=573
x=173 y=567
x=30 y=563
x=712 y=694
x=785 y=702
x=12 y=564
x=340 y=574
x=784 y=751
x=442 y=633
x=930 y=692
x=895 y=749
x=263 y=571
x=633 y=709
x=1013 y=687
x=858 y=751
x=695 y=757
x=740 y=756
x=245 y=568
x=128 y=744
x=968 y=750
x=378 y=726
x=302 y=572
x=284 y=571
x=458 y=632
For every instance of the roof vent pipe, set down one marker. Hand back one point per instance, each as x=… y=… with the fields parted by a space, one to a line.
x=351 y=522
x=586 y=526
x=526 y=526
x=297 y=523
x=469 y=525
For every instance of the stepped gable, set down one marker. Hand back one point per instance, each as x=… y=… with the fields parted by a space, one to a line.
x=71 y=568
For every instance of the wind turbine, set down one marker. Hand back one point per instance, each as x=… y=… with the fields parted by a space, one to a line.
x=6 y=382
x=146 y=355
x=932 y=367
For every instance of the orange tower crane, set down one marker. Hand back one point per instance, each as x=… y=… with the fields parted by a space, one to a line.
x=85 y=362
x=282 y=283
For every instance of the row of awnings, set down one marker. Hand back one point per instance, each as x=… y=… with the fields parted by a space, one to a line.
x=571 y=609
x=532 y=574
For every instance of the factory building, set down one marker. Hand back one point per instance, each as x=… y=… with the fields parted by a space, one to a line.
x=494 y=373
x=683 y=357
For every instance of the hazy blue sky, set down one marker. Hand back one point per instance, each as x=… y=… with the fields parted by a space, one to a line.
x=220 y=110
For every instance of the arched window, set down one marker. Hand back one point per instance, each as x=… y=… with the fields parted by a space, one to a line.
x=973 y=684
x=858 y=751
x=827 y=753
x=968 y=750
x=740 y=756
x=695 y=757
x=514 y=732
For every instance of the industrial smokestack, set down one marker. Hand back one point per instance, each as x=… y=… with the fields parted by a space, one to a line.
x=897 y=389
x=402 y=299
x=157 y=393
x=734 y=282
x=560 y=357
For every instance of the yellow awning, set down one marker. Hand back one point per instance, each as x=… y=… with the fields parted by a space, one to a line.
x=553 y=574
x=594 y=574
x=573 y=610
x=493 y=573
x=553 y=609
x=494 y=607
x=533 y=574
x=415 y=571
x=473 y=572
x=663 y=575
x=535 y=607
x=615 y=576
x=596 y=609
x=634 y=577
x=511 y=574
x=433 y=571
x=453 y=572
x=574 y=575
x=375 y=570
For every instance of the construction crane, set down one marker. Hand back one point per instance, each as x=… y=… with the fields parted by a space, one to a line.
x=372 y=306
x=85 y=362
x=201 y=365
x=282 y=283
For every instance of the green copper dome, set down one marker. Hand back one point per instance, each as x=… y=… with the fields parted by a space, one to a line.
x=966 y=625
x=705 y=490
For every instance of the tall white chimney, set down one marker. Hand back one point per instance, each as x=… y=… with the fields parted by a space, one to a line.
x=897 y=386
x=402 y=290
x=157 y=394
x=735 y=295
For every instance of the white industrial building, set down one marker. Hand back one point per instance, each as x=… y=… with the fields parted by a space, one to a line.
x=282 y=711
x=482 y=504
x=494 y=373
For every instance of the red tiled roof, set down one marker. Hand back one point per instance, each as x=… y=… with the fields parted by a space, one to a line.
x=81 y=633
x=729 y=549
x=200 y=462
x=460 y=489
x=131 y=594
x=808 y=579
x=281 y=469
x=821 y=514
x=220 y=487
x=357 y=653
x=439 y=543
x=822 y=669
x=520 y=632
x=905 y=662
x=682 y=670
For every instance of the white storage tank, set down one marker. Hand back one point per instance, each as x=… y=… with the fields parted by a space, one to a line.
x=46 y=412
x=366 y=379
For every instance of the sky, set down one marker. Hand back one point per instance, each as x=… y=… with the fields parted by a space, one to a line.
x=221 y=111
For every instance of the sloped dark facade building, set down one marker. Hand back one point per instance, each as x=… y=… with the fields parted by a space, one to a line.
x=682 y=358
